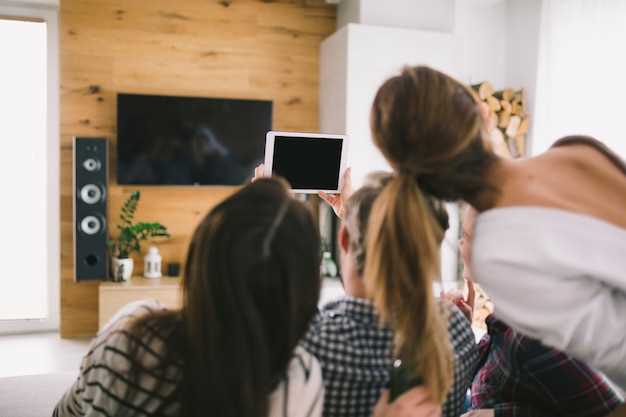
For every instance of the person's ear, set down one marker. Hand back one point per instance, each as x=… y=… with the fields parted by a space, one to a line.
x=344 y=238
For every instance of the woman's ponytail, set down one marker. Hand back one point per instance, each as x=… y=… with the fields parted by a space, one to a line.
x=402 y=260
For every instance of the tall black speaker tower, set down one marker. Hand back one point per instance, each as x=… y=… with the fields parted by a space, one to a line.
x=90 y=209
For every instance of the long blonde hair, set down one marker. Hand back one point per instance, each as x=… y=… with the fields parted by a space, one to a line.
x=402 y=261
x=428 y=127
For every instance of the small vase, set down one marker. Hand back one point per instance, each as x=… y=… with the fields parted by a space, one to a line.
x=152 y=263
x=122 y=269
x=328 y=268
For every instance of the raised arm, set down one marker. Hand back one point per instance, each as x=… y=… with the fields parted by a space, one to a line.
x=336 y=201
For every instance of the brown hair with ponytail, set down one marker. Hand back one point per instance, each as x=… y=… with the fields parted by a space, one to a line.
x=428 y=127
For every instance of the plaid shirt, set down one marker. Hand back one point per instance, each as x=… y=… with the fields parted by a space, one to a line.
x=356 y=355
x=521 y=377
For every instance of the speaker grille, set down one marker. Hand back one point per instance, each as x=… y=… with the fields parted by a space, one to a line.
x=91 y=194
x=90 y=208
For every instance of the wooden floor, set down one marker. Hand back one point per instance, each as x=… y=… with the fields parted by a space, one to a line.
x=40 y=353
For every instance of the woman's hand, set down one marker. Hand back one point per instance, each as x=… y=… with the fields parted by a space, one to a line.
x=337 y=201
x=466 y=305
x=414 y=403
x=490 y=120
x=486 y=412
x=259 y=172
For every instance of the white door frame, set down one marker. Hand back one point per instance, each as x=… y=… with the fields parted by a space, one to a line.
x=49 y=13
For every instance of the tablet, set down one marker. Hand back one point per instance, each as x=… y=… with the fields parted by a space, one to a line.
x=311 y=162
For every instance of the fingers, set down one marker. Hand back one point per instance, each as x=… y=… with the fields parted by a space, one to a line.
x=424 y=410
x=435 y=411
x=346 y=180
x=414 y=403
x=484 y=110
x=483 y=412
x=384 y=397
x=445 y=295
x=488 y=116
x=458 y=300
x=259 y=172
x=471 y=293
x=345 y=185
x=380 y=409
x=329 y=198
x=414 y=396
x=335 y=201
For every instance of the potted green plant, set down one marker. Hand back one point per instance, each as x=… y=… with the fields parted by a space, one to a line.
x=130 y=236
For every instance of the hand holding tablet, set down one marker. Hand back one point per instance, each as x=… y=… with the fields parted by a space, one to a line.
x=337 y=201
x=310 y=162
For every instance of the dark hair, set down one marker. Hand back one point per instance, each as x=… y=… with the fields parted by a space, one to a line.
x=250 y=289
x=359 y=206
x=428 y=127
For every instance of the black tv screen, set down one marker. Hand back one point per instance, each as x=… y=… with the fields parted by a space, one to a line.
x=166 y=140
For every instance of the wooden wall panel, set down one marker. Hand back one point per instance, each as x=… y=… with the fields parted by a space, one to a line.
x=257 y=49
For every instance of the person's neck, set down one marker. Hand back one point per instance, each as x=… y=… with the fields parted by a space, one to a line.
x=354 y=286
x=499 y=175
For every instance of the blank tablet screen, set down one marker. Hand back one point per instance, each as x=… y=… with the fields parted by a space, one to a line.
x=308 y=163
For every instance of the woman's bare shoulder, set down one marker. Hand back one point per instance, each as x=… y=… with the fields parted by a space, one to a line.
x=578 y=177
x=588 y=153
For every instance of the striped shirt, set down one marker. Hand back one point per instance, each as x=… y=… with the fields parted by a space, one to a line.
x=356 y=355
x=104 y=386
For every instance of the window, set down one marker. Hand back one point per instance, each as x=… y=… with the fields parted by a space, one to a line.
x=29 y=161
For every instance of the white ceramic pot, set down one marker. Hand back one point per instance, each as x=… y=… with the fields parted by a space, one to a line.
x=152 y=263
x=122 y=269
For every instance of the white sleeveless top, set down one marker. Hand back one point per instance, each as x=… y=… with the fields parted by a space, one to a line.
x=559 y=277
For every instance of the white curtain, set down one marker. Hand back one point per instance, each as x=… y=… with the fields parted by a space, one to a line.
x=581 y=79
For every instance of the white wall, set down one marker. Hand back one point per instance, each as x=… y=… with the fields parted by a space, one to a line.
x=409 y=14
x=376 y=53
x=522 y=51
x=481 y=30
x=333 y=83
x=348 y=11
x=499 y=42
x=581 y=67
x=479 y=26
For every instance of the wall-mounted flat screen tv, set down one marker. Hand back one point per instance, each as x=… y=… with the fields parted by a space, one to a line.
x=166 y=140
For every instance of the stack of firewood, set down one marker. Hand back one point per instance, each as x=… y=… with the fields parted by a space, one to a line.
x=508 y=136
x=508 y=107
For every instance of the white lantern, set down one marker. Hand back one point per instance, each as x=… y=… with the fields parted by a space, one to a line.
x=152 y=263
